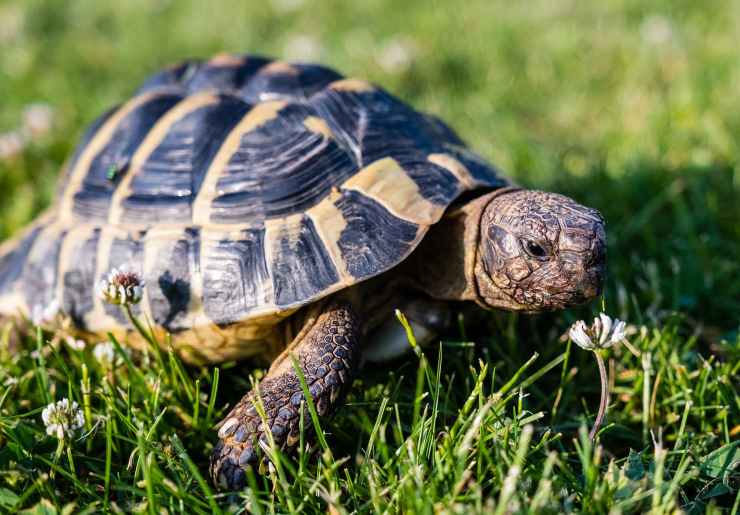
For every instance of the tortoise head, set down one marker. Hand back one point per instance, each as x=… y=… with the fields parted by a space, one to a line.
x=539 y=251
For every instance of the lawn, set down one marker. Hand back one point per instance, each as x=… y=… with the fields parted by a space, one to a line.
x=631 y=107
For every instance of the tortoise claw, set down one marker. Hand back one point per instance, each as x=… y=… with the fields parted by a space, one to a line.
x=328 y=354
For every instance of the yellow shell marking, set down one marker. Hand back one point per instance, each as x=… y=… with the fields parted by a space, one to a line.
x=96 y=144
x=276 y=229
x=354 y=85
x=388 y=184
x=256 y=116
x=226 y=60
x=318 y=126
x=13 y=300
x=279 y=67
x=455 y=167
x=150 y=143
x=329 y=223
x=76 y=236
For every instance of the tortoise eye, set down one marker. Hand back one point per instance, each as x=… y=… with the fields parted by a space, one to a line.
x=534 y=249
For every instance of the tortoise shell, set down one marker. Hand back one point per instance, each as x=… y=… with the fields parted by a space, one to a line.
x=241 y=188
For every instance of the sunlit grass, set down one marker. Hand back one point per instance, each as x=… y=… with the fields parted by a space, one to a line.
x=456 y=426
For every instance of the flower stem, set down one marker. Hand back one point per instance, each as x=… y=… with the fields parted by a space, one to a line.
x=137 y=324
x=57 y=456
x=147 y=335
x=86 y=403
x=71 y=461
x=604 y=395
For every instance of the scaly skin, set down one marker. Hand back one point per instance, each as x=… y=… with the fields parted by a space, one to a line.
x=539 y=251
x=328 y=354
x=509 y=249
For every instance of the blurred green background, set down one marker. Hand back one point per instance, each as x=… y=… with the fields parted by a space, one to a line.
x=630 y=106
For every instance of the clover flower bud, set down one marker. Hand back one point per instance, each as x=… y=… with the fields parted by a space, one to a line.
x=45 y=314
x=603 y=332
x=74 y=343
x=123 y=286
x=62 y=419
x=104 y=353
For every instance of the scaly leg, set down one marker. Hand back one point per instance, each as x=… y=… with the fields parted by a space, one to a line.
x=328 y=353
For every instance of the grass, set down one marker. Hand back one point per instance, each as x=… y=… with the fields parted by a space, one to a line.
x=627 y=106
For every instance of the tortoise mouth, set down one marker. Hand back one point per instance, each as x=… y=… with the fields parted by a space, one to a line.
x=573 y=291
x=539 y=251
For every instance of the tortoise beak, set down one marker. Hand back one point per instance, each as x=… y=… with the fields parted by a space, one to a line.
x=592 y=282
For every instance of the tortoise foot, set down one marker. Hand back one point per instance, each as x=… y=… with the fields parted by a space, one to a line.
x=328 y=354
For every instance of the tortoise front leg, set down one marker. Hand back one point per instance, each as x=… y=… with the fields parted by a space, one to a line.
x=327 y=351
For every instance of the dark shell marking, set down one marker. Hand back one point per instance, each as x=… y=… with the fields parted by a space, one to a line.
x=239 y=187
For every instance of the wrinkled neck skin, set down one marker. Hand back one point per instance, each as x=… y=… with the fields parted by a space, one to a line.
x=514 y=249
x=444 y=265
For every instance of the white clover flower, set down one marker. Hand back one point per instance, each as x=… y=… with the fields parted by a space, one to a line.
x=10 y=381
x=397 y=55
x=62 y=419
x=123 y=286
x=603 y=333
x=579 y=334
x=104 y=353
x=302 y=47
x=609 y=331
x=74 y=344
x=287 y=6
x=12 y=145
x=42 y=315
x=657 y=30
x=13 y=23
x=38 y=119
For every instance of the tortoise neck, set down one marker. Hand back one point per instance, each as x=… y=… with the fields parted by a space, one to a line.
x=443 y=266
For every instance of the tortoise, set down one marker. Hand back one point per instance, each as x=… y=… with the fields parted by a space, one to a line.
x=279 y=210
